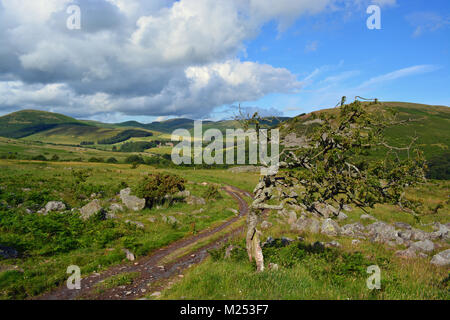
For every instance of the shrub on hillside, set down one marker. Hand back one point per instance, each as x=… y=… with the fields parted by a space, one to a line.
x=154 y=187
x=135 y=159
x=212 y=193
x=112 y=160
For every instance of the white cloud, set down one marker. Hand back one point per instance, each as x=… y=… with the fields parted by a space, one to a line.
x=405 y=72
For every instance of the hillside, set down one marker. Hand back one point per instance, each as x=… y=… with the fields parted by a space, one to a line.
x=27 y=122
x=431 y=125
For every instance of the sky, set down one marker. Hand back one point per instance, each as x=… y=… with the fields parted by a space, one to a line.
x=158 y=59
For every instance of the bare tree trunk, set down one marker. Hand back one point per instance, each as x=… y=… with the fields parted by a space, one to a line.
x=253 y=241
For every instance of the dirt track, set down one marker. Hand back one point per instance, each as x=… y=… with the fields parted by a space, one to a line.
x=149 y=267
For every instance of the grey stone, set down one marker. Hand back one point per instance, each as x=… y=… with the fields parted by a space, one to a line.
x=131 y=202
x=406 y=254
x=304 y=224
x=182 y=194
x=54 y=206
x=347 y=208
x=367 y=217
x=115 y=207
x=342 y=216
x=333 y=244
x=8 y=252
x=292 y=217
x=325 y=210
x=419 y=235
x=91 y=209
x=352 y=230
x=402 y=225
x=330 y=228
x=355 y=242
x=424 y=245
x=129 y=255
x=228 y=252
x=136 y=223
x=273 y=266
x=193 y=200
x=266 y=225
x=382 y=232
x=442 y=232
x=441 y=259
x=169 y=219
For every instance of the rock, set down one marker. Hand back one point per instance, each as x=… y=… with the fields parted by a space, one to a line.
x=193 y=200
x=347 y=208
x=402 y=225
x=182 y=194
x=91 y=209
x=382 y=232
x=333 y=244
x=325 y=210
x=266 y=225
x=169 y=219
x=54 y=206
x=131 y=202
x=442 y=232
x=405 y=234
x=28 y=211
x=441 y=259
x=355 y=242
x=367 y=217
x=156 y=294
x=152 y=219
x=129 y=255
x=304 y=224
x=419 y=235
x=198 y=211
x=273 y=266
x=268 y=242
x=292 y=217
x=286 y=241
x=342 y=216
x=8 y=252
x=115 y=207
x=353 y=230
x=233 y=210
x=330 y=228
x=424 y=246
x=228 y=252
x=136 y=223
x=406 y=254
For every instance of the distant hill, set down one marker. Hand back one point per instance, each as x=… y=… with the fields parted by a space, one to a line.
x=432 y=126
x=27 y=122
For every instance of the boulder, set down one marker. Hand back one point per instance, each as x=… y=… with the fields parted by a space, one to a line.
x=273 y=266
x=54 y=206
x=325 y=210
x=402 y=225
x=91 y=209
x=382 y=232
x=353 y=230
x=115 y=207
x=8 y=252
x=333 y=244
x=347 y=208
x=131 y=202
x=129 y=255
x=441 y=259
x=406 y=254
x=342 y=216
x=292 y=217
x=330 y=228
x=136 y=223
x=419 y=235
x=182 y=194
x=305 y=224
x=424 y=246
x=367 y=217
x=169 y=219
x=266 y=225
x=193 y=200
x=442 y=232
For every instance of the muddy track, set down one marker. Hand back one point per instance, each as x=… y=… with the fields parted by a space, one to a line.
x=149 y=268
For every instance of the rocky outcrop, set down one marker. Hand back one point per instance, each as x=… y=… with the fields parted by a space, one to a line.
x=193 y=200
x=353 y=230
x=54 y=206
x=330 y=228
x=424 y=246
x=91 y=209
x=441 y=259
x=131 y=202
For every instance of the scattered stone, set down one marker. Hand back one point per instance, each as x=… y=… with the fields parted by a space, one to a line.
x=424 y=245
x=28 y=211
x=91 y=209
x=233 y=210
x=8 y=252
x=330 y=228
x=54 y=206
x=115 y=207
x=228 y=252
x=342 y=216
x=156 y=294
x=419 y=235
x=367 y=217
x=442 y=232
x=325 y=210
x=129 y=255
x=441 y=259
x=353 y=230
x=382 y=232
x=402 y=225
x=273 y=266
x=182 y=194
x=406 y=254
x=136 y=223
x=292 y=217
x=305 y=224
x=152 y=219
x=169 y=219
x=198 y=211
x=266 y=225
x=286 y=241
x=193 y=200
x=333 y=244
x=131 y=202
x=355 y=242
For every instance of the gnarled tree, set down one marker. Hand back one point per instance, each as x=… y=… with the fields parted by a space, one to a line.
x=335 y=168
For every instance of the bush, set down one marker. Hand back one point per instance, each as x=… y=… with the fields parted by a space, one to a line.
x=55 y=158
x=112 y=160
x=139 y=146
x=439 y=167
x=155 y=187
x=212 y=193
x=40 y=158
x=98 y=160
x=135 y=159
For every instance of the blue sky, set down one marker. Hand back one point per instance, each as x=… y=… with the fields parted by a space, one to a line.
x=153 y=60
x=336 y=55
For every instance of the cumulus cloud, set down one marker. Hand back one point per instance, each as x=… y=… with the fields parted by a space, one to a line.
x=133 y=57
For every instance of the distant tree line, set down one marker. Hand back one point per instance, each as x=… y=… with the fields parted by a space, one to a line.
x=125 y=135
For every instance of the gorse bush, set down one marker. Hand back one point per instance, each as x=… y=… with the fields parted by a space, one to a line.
x=154 y=187
x=212 y=193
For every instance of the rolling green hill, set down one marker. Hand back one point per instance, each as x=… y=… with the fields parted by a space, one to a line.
x=27 y=122
x=431 y=125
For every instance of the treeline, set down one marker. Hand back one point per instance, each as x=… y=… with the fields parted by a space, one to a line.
x=125 y=135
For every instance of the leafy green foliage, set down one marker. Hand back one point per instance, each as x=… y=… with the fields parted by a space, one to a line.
x=154 y=187
x=139 y=146
x=439 y=167
x=212 y=193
